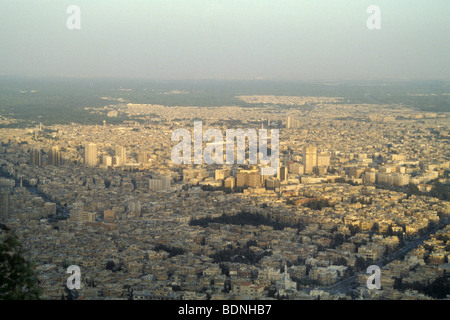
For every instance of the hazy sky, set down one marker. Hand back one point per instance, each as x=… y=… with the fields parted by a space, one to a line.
x=229 y=39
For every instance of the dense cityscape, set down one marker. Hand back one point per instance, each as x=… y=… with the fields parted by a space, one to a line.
x=358 y=184
x=225 y=158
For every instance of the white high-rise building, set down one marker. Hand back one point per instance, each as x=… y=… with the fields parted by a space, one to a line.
x=90 y=154
x=77 y=212
x=309 y=158
x=162 y=183
x=155 y=184
x=166 y=179
x=292 y=123
x=222 y=174
x=323 y=160
x=54 y=156
x=121 y=154
x=35 y=157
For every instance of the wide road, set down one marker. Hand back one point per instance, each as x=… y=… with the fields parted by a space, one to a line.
x=346 y=284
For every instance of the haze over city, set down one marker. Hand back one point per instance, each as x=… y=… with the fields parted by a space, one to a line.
x=200 y=39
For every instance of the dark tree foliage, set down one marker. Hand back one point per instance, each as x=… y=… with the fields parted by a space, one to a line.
x=176 y=288
x=412 y=189
x=438 y=289
x=225 y=269
x=239 y=255
x=341 y=262
x=360 y=263
x=244 y=218
x=441 y=191
x=337 y=240
x=70 y=294
x=224 y=189
x=173 y=251
x=344 y=180
x=18 y=280
x=110 y=265
x=361 y=200
x=318 y=204
x=354 y=229
x=251 y=243
x=290 y=202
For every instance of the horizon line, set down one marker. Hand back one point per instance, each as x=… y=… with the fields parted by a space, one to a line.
x=262 y=79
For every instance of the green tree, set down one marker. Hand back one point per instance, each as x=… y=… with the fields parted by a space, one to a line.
x=440 y=191
x=18 y=280
x=338 y=239
x=390 y=231
x=341 y=261
x=411 y=189
x=360 y=263
x=110 y=265
x=375 y=227
x=225 y=269
x=251 y=243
